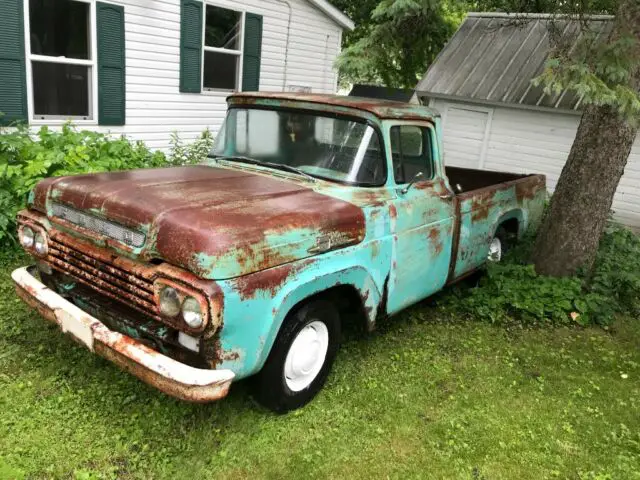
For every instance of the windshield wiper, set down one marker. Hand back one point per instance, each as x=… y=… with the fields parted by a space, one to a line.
x=275 y=166
x=288 y=168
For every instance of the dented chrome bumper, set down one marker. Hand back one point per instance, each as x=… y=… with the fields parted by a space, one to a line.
x=168 y=375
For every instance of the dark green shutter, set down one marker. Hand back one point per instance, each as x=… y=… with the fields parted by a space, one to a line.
x=252 y=53
x=111 y=64
x=13 y=83
x=191 y=12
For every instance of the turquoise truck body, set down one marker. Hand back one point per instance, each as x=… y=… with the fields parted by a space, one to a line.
x=256 y=257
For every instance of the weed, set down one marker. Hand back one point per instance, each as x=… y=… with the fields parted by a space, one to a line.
x=512 y=290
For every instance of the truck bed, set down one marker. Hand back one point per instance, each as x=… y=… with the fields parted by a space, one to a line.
x=463 y=180
x=484 y=201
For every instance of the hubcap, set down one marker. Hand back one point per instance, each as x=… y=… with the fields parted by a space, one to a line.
x=306 y=356
x=495 y=250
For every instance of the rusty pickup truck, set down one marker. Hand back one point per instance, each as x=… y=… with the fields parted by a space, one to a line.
x=309 y=212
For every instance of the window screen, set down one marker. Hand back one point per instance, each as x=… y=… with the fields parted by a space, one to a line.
x=59 y=31
x=222 y=48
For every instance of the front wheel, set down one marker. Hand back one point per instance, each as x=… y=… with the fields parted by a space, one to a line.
x=301 y=357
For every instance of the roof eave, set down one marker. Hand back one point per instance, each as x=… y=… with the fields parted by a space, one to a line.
x=496 y=103
x=333 y=13
x=538 y=15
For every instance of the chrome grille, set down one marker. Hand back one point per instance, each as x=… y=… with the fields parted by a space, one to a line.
x=98 y=225
x=112 y=281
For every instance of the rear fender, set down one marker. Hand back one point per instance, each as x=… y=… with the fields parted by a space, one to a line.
x=517 y=214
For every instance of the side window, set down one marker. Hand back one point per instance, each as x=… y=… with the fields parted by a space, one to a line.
x=412 y=152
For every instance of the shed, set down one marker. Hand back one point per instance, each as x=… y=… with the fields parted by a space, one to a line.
x=146 y=68
x=494 y=118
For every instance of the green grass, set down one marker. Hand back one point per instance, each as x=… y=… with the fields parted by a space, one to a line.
x=420 y=398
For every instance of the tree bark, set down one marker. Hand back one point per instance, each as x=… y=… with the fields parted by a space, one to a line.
x=569 y=235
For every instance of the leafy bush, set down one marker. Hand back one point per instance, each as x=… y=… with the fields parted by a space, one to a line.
x=513 y=291
x=25 y=159
x=181 y=154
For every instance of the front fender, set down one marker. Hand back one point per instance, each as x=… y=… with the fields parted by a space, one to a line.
x=256 y=305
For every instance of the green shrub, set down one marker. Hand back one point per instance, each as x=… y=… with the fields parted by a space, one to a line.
x=512 y=291
x=192 y=153
x=25 y=159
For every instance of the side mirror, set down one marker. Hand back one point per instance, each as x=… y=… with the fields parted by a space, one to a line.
x=415 y=178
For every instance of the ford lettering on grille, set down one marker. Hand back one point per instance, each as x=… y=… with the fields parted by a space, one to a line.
x=98 y=225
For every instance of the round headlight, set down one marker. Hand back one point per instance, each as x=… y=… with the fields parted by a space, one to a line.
x=41 y=244
x=169 y=302
x=192 y=313
x=27 y=237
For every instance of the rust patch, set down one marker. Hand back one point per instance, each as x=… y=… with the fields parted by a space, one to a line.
x=393 y=212
x=481 y=205
x=230 y=356
x=28 y=297
x=206 y=211
x=196 y=394
x=529 y=187
x=266 y=281
x=436 y=242
x=270 y=280
x=124 y=280
x=336 y=104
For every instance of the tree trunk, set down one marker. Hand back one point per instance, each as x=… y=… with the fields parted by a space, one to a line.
x=569 y=235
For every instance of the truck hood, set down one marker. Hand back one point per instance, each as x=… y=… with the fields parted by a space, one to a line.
x=218 y=223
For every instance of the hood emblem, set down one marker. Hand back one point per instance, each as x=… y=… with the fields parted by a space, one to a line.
x=323 y=244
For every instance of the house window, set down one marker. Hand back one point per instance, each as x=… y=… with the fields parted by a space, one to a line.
x=61 y=59
x=223 y=43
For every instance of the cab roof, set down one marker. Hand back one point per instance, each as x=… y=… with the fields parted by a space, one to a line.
x=384 y=109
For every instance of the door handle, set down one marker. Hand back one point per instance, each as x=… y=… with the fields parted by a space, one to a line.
x=447 y=196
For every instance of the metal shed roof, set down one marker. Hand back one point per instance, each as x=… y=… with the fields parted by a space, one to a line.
x=494 y=56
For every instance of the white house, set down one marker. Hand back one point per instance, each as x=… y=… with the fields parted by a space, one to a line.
x=146 y=68
x=496 y=119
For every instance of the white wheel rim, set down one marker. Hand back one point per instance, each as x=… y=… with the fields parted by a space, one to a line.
x=306 y=356
x=495 y=250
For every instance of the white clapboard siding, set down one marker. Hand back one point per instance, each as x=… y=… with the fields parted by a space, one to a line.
x=529 y=141
x=154 y=105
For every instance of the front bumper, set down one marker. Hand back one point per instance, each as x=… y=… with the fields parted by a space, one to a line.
x=164 y=373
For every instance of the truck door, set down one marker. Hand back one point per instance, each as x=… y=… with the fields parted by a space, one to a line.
x=422 y=216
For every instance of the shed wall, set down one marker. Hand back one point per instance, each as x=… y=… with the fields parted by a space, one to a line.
x=526 y=141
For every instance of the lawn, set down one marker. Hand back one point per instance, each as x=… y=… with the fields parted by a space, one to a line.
x=423 y=397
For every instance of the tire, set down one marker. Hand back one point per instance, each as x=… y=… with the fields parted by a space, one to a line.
x=282 y=385
x=503 y=241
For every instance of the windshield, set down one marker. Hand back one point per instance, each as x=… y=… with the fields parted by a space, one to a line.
x=332 y=148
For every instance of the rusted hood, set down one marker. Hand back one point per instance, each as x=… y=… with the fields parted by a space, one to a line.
x=218 y=223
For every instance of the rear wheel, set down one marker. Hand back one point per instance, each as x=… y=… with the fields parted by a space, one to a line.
x=495 y=250
x=500 y=245
x=301 y=357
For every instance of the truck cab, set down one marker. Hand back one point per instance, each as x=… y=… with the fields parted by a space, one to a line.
x=310 y=211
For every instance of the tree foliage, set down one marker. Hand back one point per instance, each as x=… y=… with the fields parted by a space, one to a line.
x=395 y=40
x=598 y=68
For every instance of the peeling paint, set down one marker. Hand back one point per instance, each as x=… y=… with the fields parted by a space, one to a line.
x=251 y=246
